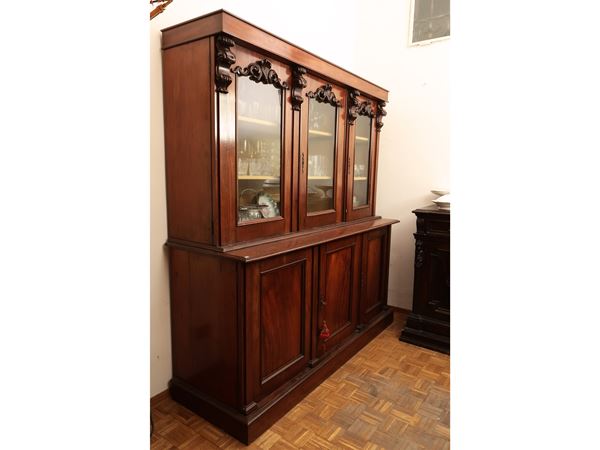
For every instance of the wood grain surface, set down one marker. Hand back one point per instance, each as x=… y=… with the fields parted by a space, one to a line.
x=187 y=141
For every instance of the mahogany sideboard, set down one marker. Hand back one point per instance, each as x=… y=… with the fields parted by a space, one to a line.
x=428 y=325
x=278 y=262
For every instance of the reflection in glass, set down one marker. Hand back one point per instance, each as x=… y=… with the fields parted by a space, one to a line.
x=362 y=150
x=258 y=150
x=321 y=156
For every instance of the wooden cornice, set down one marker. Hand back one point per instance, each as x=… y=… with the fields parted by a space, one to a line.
x=244 y=32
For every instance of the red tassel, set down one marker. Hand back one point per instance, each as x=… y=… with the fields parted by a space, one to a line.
x=325 y=333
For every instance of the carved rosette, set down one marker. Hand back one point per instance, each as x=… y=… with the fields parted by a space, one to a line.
x=381 y=113
x=261 y=72
x=419 y=254
x=325 y=95
x=356 y=108
x=298 y=83
x=224 y=59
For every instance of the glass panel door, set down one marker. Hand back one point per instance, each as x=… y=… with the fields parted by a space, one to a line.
x=258 y=142
x=321 y=160
x=362 y=158
x=321 y=156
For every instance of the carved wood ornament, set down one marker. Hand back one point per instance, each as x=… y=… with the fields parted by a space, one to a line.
x=325 y=95
x=381 y=113
x=419 y=254
x=261 y=72
x=356 y=108
x=298 y=83
x=224 y=59
x=160 y=8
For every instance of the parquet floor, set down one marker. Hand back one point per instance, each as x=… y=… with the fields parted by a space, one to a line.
x=390 y=395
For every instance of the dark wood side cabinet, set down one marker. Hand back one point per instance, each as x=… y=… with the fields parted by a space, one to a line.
x=278 y=263
x=428 y=325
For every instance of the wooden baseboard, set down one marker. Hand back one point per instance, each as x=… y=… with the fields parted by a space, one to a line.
x=159 y=397
x=427 y=332
x=427 y=340
x=400 y=310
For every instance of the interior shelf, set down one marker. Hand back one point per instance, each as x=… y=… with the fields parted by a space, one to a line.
x=320 y=133
x=360 y=178
x=255 y=121
x=362 y=138
x=256 y=177
x=269 y=177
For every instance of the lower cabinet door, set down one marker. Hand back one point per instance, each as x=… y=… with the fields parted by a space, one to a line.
x=375 y=262
x=432 y=278
x=278 y=311
x=337 y=299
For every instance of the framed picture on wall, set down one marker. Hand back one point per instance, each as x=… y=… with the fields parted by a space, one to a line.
x=429 y=21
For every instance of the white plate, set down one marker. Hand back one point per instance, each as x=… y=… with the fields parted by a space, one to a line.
x=443 y=202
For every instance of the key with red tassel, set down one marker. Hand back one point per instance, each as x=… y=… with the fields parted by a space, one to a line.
x=324 y=334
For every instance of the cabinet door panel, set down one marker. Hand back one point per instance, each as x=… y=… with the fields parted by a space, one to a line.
x=432 y=269
x=375 y=258
x=279 y=292
x=281 y=317
x=362 y=160
x=323 y=126
x=255 y=141
x=338 y=292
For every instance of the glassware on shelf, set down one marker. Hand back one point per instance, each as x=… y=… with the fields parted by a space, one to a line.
x=317 y=166
x=247 y=213
x=253 y=167
x=321 y=156
x=317 y=117
x=255 y=213
x=242 y=108
x=359 y=171
x=259 y=147
x=362 y=150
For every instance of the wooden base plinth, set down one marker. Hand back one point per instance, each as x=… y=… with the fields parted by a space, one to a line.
x=246 y=428
x=426 y=332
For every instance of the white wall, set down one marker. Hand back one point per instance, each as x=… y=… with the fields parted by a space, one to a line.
x=414 y=150
x=415 y=142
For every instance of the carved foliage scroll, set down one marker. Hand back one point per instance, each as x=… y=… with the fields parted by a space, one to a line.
x=419 y=254
x=381 y=113
x=224 y=59
x=325 y=95
x=353 y=106
x=356 y=108
x=298 y=83
x=261 y=72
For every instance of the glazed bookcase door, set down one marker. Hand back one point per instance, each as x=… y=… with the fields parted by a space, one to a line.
x=323 y=125
x=254 y=121
x=362 y=158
